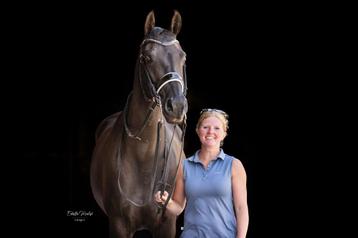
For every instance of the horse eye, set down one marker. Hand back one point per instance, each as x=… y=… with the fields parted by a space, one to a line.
x=183 y=55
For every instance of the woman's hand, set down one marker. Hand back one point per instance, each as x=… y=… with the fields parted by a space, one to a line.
x=161 y=198
x=172 y=206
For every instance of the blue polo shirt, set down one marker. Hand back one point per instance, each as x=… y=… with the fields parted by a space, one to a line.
x=209 y=210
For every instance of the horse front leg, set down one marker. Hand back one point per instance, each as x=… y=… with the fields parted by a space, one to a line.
x=119 y=229
x=166 y=228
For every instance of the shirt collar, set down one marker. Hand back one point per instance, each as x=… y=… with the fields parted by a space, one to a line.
x=195 y=157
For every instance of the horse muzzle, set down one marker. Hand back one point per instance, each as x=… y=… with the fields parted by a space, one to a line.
x=175 y=109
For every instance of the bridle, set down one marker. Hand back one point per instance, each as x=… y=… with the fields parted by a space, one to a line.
x=148 y=89
x=151 y=93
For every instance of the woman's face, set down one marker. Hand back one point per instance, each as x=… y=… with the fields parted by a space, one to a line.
x=211 y=132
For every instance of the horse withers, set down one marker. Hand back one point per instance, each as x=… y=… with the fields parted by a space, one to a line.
x=138 y=150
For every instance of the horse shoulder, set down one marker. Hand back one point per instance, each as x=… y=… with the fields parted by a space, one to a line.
x=107 y=123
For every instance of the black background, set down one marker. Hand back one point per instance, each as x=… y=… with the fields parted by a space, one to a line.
x=73 y=65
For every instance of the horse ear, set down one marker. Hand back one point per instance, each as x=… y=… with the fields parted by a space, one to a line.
x=176 y=23
x=149 y=22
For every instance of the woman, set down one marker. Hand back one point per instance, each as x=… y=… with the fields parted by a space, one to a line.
x=210 y=185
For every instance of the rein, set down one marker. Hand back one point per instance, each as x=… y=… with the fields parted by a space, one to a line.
x=156 y=102
x=163 y=182
x=164 y=177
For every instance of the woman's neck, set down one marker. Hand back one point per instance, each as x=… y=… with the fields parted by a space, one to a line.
x=208 y=154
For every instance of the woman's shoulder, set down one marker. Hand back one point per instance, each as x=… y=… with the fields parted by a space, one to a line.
x=188 y=160
x=192 y=156
x=238 y=167
x=236 y=162
x=230 y=157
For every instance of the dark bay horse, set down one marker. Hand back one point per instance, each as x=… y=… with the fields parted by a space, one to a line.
x=138 y=150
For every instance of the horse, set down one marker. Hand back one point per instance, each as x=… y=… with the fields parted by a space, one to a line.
x=138 y=150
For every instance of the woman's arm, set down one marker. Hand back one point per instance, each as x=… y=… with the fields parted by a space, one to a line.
x=240 y=198
x=176 y=204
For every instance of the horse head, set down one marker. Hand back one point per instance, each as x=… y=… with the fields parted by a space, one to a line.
x=161 y=68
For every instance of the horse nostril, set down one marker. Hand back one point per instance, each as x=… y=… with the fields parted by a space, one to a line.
x=169 y=105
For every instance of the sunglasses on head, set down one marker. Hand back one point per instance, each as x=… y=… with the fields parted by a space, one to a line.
x=215 y=110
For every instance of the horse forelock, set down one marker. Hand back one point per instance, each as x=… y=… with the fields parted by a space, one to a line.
x=160 y=34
